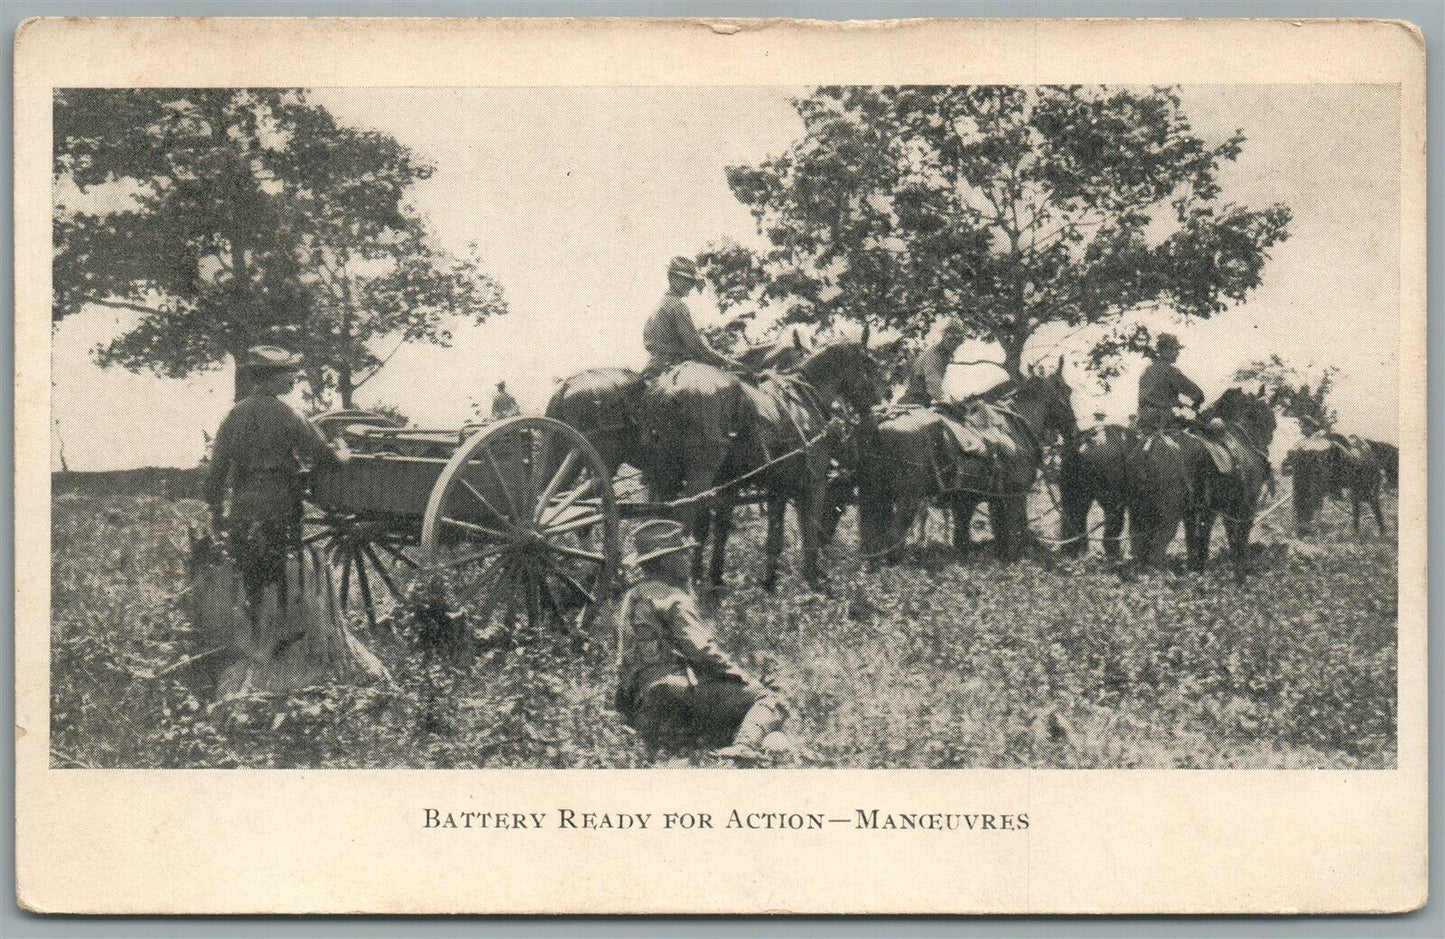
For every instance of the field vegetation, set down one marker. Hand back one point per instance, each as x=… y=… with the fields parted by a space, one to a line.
x=929 y=663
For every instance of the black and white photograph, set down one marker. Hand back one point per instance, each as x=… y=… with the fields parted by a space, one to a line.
x=881 y=426
x=777 y=448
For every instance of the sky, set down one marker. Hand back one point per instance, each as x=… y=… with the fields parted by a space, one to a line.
x=578 y=197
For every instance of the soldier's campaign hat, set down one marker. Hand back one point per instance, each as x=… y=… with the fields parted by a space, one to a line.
x=1168 y=341
x=953 y=329
x=271 y=359
x=655 y=538
x=683 y=267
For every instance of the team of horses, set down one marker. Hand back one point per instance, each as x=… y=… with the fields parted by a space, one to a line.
x=809 y=429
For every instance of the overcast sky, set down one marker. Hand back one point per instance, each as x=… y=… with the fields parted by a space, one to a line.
x=578 y=198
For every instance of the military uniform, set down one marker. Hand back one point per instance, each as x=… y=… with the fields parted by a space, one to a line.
x=504 y=405
x=674 y=685
x=670 y=336
x=925 y=378
x=1160 y=388
x=258 y=452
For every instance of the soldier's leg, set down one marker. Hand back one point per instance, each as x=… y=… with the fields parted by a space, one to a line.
x=662 y=717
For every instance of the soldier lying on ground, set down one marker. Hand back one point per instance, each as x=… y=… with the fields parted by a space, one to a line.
x=675 y=687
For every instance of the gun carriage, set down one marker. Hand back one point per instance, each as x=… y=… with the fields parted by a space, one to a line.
x=519 y=513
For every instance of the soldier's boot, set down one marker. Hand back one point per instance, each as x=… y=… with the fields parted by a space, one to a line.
x=762 y=720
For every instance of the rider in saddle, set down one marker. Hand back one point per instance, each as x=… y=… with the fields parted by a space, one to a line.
x=1161 y=387
x=670 y=336
x=674 y=685
x=925 y=376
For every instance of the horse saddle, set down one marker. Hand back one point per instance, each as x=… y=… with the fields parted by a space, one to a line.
x=981 y=432
x=1221 y=452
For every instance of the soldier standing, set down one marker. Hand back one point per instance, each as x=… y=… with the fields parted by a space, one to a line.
x=257 y=455
x=925 y=377
x=1162 y=385
x=670 y=336
x=503 y=404
x=674 y=685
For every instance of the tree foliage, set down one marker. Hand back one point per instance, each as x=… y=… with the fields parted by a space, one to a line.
x=227 y=217
x=1007 y=207
x=1302 y=394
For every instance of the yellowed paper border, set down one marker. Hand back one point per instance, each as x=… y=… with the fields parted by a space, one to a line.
x=352 y=841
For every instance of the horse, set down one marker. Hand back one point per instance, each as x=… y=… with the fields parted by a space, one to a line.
x=1328 y=466
x=1388 y=456
x=705 y=428
x=917 y=457
x=1173 y=476
x=1092 y=470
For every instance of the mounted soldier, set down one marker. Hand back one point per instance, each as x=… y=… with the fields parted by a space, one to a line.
x=1163 y=385
x=925 y=376
x=670 y=336
x=258 y=456
x=675 y=686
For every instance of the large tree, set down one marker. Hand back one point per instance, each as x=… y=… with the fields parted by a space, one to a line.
x=227 y=217
x=1007 y=207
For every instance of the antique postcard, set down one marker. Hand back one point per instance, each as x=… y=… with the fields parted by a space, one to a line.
x=621 y=466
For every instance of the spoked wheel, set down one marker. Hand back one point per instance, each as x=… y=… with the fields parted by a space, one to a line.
x=366 y=557
x=523 y=518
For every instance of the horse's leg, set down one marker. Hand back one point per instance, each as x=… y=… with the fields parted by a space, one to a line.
x=809 y=502
x=722 y=527
x=1238 y=529
x=1113 y=531
x=962 y=508
x=777 y=506
x=1375 y=507
x=1198 y=530
x=1354 y=512
x=701 y=526
x=1075 y=520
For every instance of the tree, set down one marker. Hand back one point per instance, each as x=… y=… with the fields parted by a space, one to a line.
x=227 y=217
x=1288 y=390
x=1007 y=207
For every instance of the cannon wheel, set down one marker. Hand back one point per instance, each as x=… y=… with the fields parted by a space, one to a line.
x=366 y=554
x=524 y=519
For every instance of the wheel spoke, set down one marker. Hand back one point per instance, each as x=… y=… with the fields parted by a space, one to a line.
x=364 y=583
x=572 y=582
x=586 y=521
x=592 y=557
x=475 y=529
x=501 y=481
x=345 y=581
x=381 y=571
x=397 y=553
x=538 y=453
x=472 y=556
x=571 y=497
x=568 y=465
x=472 y=490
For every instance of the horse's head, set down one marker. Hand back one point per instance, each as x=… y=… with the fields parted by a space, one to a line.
x=782 y=355
x=844 y=370
x=1250 y=411
x=1052 y=398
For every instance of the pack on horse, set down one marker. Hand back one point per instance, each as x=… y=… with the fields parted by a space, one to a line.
x=1092 y=470
x=991 y=452
x=1331 y=464
x=1192 y=474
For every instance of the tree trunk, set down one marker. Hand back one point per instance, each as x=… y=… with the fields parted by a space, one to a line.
x=242 y=380
x=344 y=388
x=1013 y=355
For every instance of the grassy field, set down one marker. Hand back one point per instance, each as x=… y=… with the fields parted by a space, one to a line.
x=929 y=663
